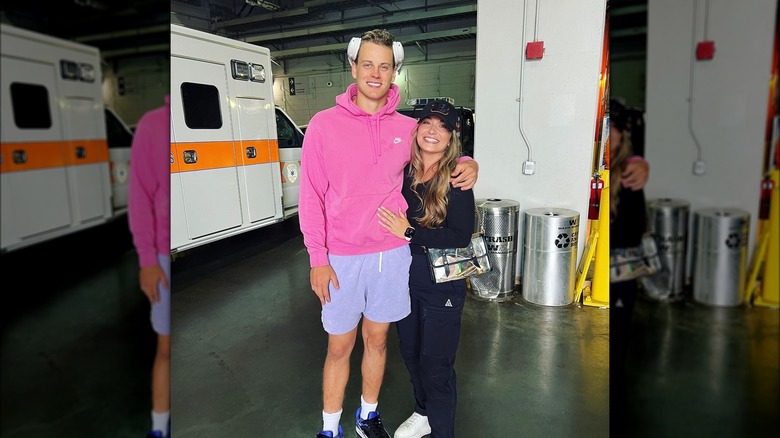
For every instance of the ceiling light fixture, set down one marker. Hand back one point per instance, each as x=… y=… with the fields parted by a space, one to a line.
x=264 y=4
x=95 y=4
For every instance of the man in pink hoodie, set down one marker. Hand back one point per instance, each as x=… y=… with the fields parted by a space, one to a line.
x=353 y=160
x=149 y=217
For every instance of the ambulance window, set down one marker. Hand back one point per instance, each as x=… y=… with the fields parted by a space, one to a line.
x=118 y=134
x=284 y=132
x=201 y=106
x=30 y=106
x=287 y=132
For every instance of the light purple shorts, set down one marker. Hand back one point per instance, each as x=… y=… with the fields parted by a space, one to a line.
x=372 y=285
x=161 y=310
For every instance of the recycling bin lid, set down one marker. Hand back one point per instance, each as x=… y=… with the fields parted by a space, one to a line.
x=552 y=212
x=497 y=206
x=724 y=213
x=668 y=202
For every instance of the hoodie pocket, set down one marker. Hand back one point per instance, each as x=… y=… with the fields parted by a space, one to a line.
x=356 y=222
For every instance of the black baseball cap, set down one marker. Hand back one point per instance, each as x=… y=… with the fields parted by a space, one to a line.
x=443 y=110
x=617 y=115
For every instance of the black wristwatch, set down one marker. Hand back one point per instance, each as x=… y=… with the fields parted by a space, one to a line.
x=409 y=233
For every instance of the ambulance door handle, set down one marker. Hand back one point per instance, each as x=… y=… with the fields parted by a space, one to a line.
x=190 y=157
x=20 y=156
x=251 y=152
x=81 y=152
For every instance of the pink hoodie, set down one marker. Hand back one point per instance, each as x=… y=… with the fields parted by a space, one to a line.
x=352 y=163
x=149 y=196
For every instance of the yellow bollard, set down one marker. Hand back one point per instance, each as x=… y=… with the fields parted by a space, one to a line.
x=769 y=293
x=599 y=289
x=755 y=267
x=587 y=258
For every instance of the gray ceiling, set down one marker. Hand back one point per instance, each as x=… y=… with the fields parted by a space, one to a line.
x=303 y=28
x=627 y=29
x=290 y=28
x=117 y=28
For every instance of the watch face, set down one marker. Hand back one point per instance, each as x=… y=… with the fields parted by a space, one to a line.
x=409 y=232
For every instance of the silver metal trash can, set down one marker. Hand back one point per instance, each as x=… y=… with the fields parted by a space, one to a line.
x=720 y=256
x=498 y=219
x=667 y=221
x=550 y=255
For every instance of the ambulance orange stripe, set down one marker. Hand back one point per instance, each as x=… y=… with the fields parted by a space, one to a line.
x=262 y=151
x=92 y=151
x=275 y=150
x=174 y=159
x=209 y=155
x=47 y=154
x=221 y=154
x=32 y=155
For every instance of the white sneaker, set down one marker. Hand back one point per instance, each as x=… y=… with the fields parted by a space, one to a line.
x=415 y=426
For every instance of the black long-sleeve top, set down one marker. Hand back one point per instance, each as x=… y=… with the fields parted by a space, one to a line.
x=458 y=226
x=631 y=220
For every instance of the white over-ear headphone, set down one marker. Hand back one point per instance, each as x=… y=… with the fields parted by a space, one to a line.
x=398 y=52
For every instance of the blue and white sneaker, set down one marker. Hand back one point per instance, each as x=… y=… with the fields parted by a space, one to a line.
x=329 y=434
x=159 y=433
x=371 y=427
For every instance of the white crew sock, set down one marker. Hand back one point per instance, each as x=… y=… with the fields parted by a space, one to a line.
x=366 y=408
x=160 y=421
x=331 y=421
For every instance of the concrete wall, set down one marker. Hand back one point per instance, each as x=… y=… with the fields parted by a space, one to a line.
x=423 y=79
x=730 y=96
x=560 y=101
x=627 y=80
x=442 y=68
x=147 y=79
x=445 y=69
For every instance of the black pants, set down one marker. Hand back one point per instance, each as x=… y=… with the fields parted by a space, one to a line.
x=622 y=299
x=429 y=339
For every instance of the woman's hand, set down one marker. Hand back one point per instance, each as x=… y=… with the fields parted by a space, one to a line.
x=635 y=175
x=395 y=223
x=465 y=175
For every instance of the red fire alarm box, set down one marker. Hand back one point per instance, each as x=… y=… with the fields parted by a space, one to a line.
x=534 y=50
x=705 y=50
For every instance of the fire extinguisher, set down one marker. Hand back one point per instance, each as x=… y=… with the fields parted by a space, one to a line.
x=596 y=184
x=766 y=197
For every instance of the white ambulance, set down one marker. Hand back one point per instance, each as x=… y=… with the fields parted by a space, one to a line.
x=227 y=171
x=54 y=161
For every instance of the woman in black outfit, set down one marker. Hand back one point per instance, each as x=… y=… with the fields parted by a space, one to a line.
x=437 y=217
x=628 y=222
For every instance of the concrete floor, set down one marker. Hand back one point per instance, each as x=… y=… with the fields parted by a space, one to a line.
x=700 y=371
x=77 y=345
x=248 y=350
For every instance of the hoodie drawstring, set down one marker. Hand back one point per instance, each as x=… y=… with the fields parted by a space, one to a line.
x=347 y=102
x=373 y=129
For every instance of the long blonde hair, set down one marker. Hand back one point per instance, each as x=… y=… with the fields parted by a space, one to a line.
x=617 y=164
x=434 y=201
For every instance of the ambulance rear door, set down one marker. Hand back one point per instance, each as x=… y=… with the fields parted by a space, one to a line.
x=87 y=149
x=34 y=179
x=225 y=176
x=204 y=177
x=260 y=179
x=55 y=176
